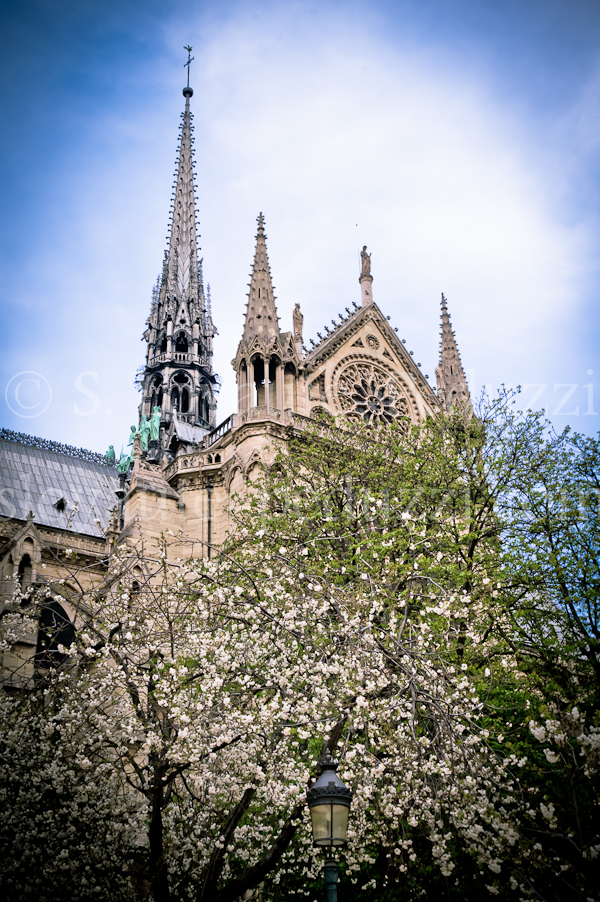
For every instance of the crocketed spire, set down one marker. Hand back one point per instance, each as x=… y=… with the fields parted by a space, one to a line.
x=451 y=380
x=178 y=374
x=183 y=250
x=261 y=313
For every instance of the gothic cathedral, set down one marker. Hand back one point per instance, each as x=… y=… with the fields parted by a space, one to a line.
x=183 y=468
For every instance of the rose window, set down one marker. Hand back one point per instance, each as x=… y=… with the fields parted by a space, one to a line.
x=370 y=394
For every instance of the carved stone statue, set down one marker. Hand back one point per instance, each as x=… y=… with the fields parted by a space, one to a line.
x=109 y=457
x=366 y=262
x=123 y=465
x=155 y=424
x=298 y=322
x=144 y=431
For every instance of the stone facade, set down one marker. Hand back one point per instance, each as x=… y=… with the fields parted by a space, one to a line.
x=185 y=479
x=359 y=369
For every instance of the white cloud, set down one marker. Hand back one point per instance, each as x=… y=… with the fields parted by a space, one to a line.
x=322 y=125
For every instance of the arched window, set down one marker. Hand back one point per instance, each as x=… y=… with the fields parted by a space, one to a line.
x=157 y=392
x=181 y=343
x=163 y=345
x=175 y=397
x=24 y=572
x=55 y=629
x=136 y=584
x=185 y=400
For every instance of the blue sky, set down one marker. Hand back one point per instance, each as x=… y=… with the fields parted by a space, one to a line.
x=459 y=140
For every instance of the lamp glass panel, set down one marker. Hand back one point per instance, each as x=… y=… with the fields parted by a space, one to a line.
x=340 y=824
x=321 y=824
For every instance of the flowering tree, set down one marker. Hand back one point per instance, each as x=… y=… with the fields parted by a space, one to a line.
x=368 y=602
x=503 y=514
x=67 y=828
x=208 y=696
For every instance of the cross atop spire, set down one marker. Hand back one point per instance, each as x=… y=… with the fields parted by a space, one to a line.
x=187 y=63
x=261 y=313
x=451 y=380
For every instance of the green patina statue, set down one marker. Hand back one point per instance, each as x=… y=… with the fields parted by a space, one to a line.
x=155 y=424
x=109 y=457
x=144 y=430
x=126 y=460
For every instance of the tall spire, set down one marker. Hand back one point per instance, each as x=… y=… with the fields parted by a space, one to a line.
x=183 y=249
x=178 y=371
x=451 y=380
x=261 y=313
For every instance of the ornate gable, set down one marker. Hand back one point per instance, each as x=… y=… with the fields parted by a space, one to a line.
x=362 y=370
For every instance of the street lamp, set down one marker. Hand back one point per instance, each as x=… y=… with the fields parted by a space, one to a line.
x=329 y=802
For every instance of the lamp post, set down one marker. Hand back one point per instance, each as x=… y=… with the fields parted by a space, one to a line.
x=329 y=803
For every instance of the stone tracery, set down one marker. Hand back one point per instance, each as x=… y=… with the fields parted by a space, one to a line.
x=371 y=394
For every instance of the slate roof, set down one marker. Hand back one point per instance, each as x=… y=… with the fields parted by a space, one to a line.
x=186 y=432
x=34 y=479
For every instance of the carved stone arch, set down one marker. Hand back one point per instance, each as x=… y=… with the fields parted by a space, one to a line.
x=156 y=388
x=254 y=461
x=25 y=556
x=180 y=377
x=25 y=570
x=237 y=468
x=56 y=627
x=138 y=577
x=181 y=387
x=234 y=463
x=181 y=341
x=68 y=592
x=255 y=458
x=257 y=347
x=367 y=388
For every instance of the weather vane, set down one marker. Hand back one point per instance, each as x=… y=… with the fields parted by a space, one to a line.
x=189 y=60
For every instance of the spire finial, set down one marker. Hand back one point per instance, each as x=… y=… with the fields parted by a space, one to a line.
x=187 y=91
x=261 y=313
x=452 y=385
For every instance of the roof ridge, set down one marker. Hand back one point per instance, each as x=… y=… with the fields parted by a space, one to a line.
x=336 y=326
x=47 y=444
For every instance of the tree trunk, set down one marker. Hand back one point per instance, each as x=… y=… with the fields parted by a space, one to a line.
x=159 y=879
